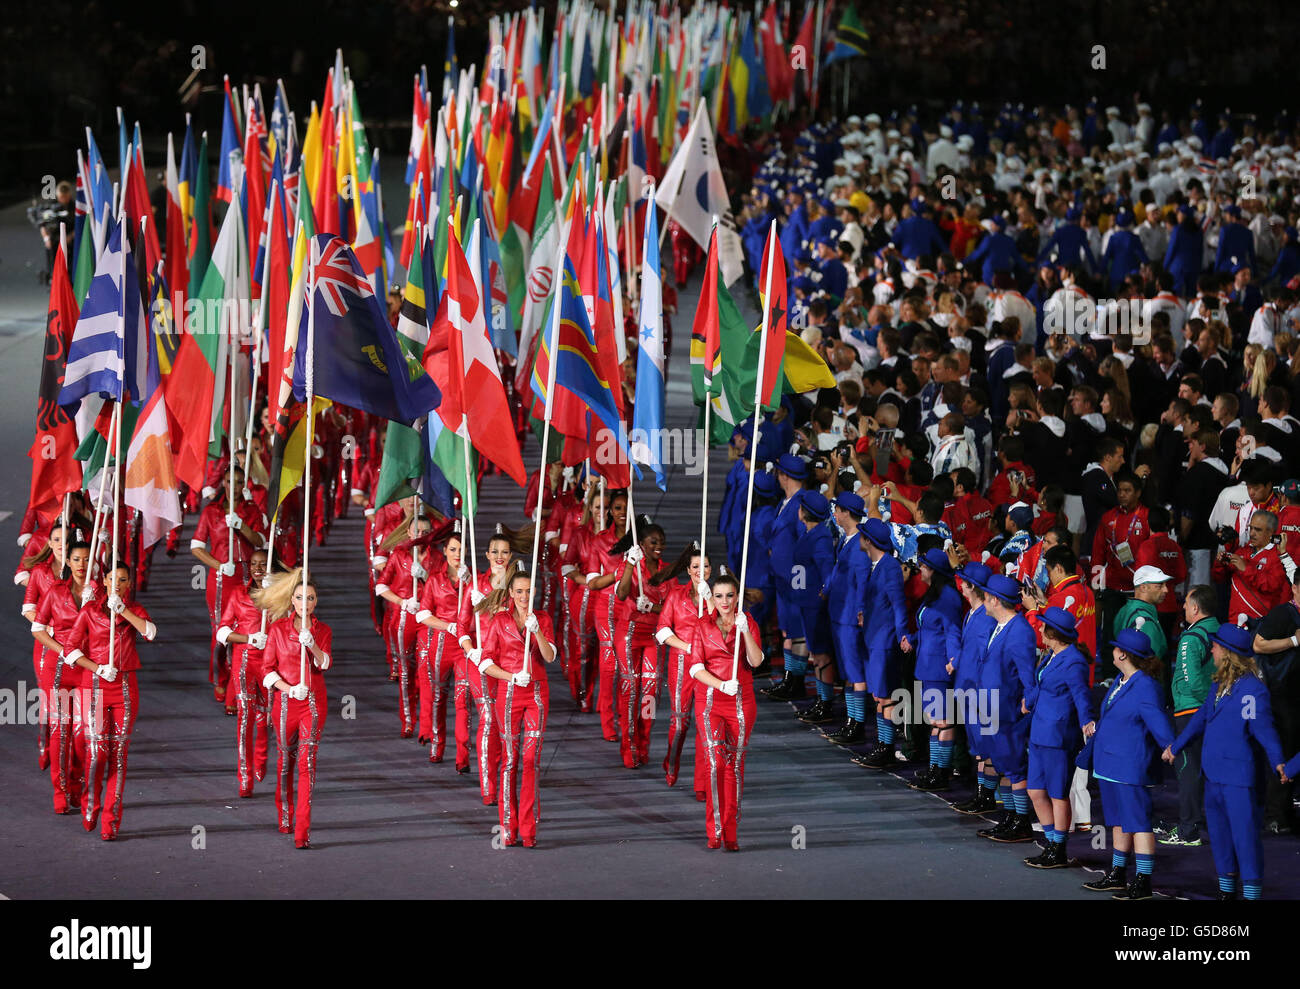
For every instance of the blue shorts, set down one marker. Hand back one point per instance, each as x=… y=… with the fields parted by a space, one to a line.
x=1050 y=769
x=816 y=628
x=1008 y=747
x=935 y=702
x=850 y=657
x=882 y=670
x=788 y=617
x=1126 y=806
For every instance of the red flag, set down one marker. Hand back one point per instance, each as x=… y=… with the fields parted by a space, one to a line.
x=54 y=469
x=777 y=314
x=277 y=246
x=254 y=181
x=705 y=335
x=138 y=207
x=326 y=192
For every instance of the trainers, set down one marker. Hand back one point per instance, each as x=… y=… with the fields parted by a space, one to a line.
x=1174 y=838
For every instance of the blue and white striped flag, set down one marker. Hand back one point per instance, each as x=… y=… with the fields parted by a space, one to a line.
x=648 y=409
x=108 y=354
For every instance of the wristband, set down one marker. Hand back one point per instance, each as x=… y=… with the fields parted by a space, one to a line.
x=694 y=667
x=1295 y=640
x=379 y=589
x=72 y=657
x=37 y=627
x=422 y=615
x=379 y=561
x=223 y=634
x=268 y=681
x=663 y=635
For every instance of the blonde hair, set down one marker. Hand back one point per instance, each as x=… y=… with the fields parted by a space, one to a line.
x=520 y=540
x=1113 y=368
x=400 y=534
x=276 y=598
x=496 y=598
x=1234 y=667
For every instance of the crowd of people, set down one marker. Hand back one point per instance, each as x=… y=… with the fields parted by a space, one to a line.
x=1053 y=496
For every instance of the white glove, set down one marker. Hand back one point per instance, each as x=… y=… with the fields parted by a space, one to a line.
x=410 y=606
x=248 y=494
x=462 y=574
x=266 y=581
x=634 y=555
x=298 y=691
x=742 y=624
x=730 y=687
x=566 y=475
x=115 y=604
x=23 y=538
x=476 y=597
x=108 y=673
x=703 y=589
x=644 y=604
x=226 y=570
x=233 y=521
x=418 y=572
x=257 y=640
x=521 y=679
x=474 y=655
x=305 y=637
x=103 y=536
x=451 y=629
x=87 y=594
x=530 y=623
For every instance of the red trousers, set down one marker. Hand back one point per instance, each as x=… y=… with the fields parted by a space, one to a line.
x=43 y=661
x=298 y=727
x=608 y=669
x=522 y=713
x=681 y=698
x=579 y=647
x=724 y=726
x=67 y=742
x=638 y=688
x=483 y=689
x=440 y=658
x=399 y=639
x=250 y=725
x=108 y=712
x=214 y=590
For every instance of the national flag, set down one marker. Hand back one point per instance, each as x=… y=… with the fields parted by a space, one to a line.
x=648 y=409
x=775 y=312
x=419 y=117
x=200 y=240
x=719 y=329
x=187 y=178
x=776 y=60
x=449 y=69
x=693 y=191
x=358 y=360
x=231 y=159
x=54 y=469
x=149 y=484
x=175 y=272
x=139 y=210
x=850 y=37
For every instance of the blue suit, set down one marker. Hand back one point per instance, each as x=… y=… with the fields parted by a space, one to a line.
x=884 y=622
x=1059 y=704
x=1009 y=670
x=1071 y=245
x=814 y=556
x=1124 y=255
x=1235 y=729
x=967 y=670
x=996 y=252
x=795 y=232
x=835 y=277
x=916 y=236
x=938 y=637
x=785 y=530
x=1287 y=265
x=1183 y=256
x=1235 y=242
x=844 y=588
x=731 y=523
x=1132 y=715
x=759 y=574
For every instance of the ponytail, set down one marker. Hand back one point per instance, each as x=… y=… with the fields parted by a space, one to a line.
x=496 y=598
x=276 y=599
x=520 y=540
x=679 y=566
x=644 y=524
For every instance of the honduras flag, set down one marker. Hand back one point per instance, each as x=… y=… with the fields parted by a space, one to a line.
x=109 y=353
x=648 y=411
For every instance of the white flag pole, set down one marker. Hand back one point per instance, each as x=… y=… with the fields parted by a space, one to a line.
x=310 y=413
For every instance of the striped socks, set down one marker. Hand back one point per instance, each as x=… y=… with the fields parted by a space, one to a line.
x=825 y=691
x=1004 y=796
x=1227 y=884
x=989 y=781
x=940 y=752
x=1144 y=863
x=884 y=728
x=855 y=703
x=1119 y=860
x=796 y=665
x=1252 y=891
x=1021 y=800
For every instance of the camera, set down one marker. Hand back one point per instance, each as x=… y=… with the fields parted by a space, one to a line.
x=1227 y=537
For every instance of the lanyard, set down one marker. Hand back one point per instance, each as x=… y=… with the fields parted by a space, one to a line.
x=1115 y=693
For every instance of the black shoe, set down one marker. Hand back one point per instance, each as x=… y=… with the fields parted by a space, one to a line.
x=1226 y=894
x=1003 y=825
x=1052 y=858
x=938 y=779
x=821 y=713
x=1020 y=829
x=790 y=688
x=1116 y=878
x=922 y=777
x=880 y=757
x=982 y=803
x=1139 y=888
x=851 y=734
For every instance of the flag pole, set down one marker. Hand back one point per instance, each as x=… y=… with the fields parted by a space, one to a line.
x=309 y=412
x=115 y=432
x=547 y=413
x=753 y=443
x=704 y=493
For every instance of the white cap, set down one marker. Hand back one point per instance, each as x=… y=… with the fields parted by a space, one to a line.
x=945 y=131
x=873 y=118
x=965 y=142
x=1150 y=575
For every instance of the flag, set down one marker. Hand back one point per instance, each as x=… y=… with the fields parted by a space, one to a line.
x=541 y=267
x=175 y=271
x=188 y=176
x=149 y=485
x=850 y=38
x=104 y=356
x=231 y=158
x=719 y=329
x=648 y=409
x=196 y=388
x=776 y=313
x=54 y=469
x=693 y=191
x=357 y=358
x=200 y=241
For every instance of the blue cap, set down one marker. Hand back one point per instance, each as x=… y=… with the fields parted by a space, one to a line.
x=793 y=465
x=852 y=503
x=975 y=573
x=1233 y=210
x=877 y=533
x=1060 y=620
x=1003 y=588
x=826 y=240
x=1023 y=516
x=1133 y=642
x=937 y=559
x=1235 y=639
x=1124 y=219
x=1073 y=213
x=816 y=505
x=999 y=221
x=802 y=283
x=765 y=484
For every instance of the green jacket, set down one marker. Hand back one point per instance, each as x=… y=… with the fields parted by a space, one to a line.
x=1143 y=617
x=1193 y=667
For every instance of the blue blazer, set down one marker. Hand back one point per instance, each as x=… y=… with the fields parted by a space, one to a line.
x=884 y=612
x=814 y=551
x=1132 y=730
x=1235 y=728
x=785 y=530
x=975 y=634
x=1059 y=701
x=846 y=581
x=938 y=636
x=1009 y=668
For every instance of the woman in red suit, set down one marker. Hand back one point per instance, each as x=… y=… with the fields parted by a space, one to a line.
x=678 y=618
x=577 y=527
x=407 y=567
x=242 y=635
x=441 y=599
x=600 y=569
x=43 y=569
x=522 y=701
x=724 y=706
x=637 y=603
x=110 y=700
x=293 y=666
x=56 y=616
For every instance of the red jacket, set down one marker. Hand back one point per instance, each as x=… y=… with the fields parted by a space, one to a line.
x=970 y=518
x=1117 y=529
x=1257 y=589
x=1076 y=597
x=90 y=635
x=716 y=652
x=1161 y=551
x=281 y=655
x=999 y=492
x=503 y=643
